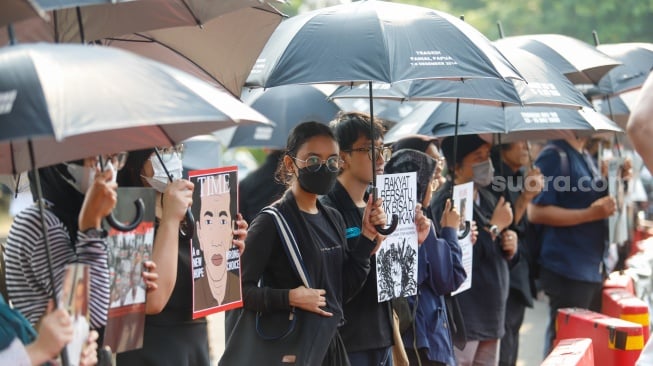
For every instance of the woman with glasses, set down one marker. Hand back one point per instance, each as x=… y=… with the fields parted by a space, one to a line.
x=77 y=196
x=309 y=168
x=171 y=336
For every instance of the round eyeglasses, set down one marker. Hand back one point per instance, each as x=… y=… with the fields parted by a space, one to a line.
x=313 y=163
x=384 y=152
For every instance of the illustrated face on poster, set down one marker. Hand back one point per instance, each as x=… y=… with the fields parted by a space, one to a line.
x=214 y=231
x=216 y=262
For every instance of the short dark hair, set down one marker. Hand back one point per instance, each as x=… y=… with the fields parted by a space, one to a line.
x=298 y=137
x=349 y=127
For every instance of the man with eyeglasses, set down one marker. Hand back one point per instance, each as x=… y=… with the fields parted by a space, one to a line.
x=367 y=332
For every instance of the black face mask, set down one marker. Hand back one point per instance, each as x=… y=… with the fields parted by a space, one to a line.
x=319 y=182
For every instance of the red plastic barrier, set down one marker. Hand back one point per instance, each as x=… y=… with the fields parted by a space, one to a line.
x=620 y=280
x=571 y=352
x=620 y=303
x=614 y=341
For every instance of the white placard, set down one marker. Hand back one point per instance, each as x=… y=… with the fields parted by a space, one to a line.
x=396 y=260
x=463 y=201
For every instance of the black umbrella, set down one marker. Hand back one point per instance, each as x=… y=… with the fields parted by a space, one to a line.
x=545 y=86
x=581 y=62
x=637 y=59
x=286 y=106
x=510 y=123
x=368 y=41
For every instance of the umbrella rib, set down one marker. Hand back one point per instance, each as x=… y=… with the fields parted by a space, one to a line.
x=190 y=11
x=203 y=70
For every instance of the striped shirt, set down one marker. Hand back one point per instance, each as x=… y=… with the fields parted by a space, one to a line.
x=28 y=278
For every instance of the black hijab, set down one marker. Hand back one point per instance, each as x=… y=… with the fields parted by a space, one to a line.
x=62 y=198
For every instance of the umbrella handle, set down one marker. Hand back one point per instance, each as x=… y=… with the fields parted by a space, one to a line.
x=468 y=227
x=187 y=228
x=140 y=208
x=390 y=229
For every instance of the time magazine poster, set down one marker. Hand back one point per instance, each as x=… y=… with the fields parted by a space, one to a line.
x=215 y=261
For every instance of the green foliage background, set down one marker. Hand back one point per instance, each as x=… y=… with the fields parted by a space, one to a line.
x=615 y=21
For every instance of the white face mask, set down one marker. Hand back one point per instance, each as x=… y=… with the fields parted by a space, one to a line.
x=160 y=179
x=483 y=173
x=83 y=176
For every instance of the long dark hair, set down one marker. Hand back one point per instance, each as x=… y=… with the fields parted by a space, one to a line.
x=63 y=199
x=130 y=174
x=298 y=137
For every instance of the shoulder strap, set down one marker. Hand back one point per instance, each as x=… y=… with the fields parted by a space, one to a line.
x=564 y=159
x=290 y=244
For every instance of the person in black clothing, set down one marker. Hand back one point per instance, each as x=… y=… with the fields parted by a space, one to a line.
x=310 y=166
x=367 y=332
x=483 y=306
x=259 y=188
x=511 y=159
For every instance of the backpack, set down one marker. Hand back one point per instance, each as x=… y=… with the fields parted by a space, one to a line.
x=533 y=232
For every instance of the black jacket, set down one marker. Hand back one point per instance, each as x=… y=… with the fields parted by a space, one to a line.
x=266 y=259
x=483 y=306
x=368 y=323
x=520 y=280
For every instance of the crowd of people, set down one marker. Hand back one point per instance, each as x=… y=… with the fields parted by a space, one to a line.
x=322 y=190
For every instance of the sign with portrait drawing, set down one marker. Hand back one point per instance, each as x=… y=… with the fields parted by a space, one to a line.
x=463 y=196
x=396 y=259
x=128 y=250
x=215 y=260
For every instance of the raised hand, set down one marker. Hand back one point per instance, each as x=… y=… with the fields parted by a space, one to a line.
x=177 y=198
x=240 y=233
x=502 y=214
x=422 y=224
x=450 y=216
x=99 y=201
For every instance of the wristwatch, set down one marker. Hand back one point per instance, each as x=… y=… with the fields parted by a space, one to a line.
x=95 y=233
x=493 y=229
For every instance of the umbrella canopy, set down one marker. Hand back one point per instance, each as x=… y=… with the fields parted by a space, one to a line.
x=17 y=10
x=617 y=107
x=75 y=101
x=581 y=62
x=286 y=106
x=227 y=62
x=512 y=123
x=637 y=61
x=111 y=18
x=222 y=51
x=376 y=41
x=546 y=86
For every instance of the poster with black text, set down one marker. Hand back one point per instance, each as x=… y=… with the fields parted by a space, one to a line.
x=396 y=259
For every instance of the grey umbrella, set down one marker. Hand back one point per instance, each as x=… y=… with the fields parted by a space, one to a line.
x=90 y=20
x=286 y=106
x=380 y=41
x=68 y=102
x=221 y=51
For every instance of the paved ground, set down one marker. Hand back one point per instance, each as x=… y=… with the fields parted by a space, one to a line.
x=530 y=346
